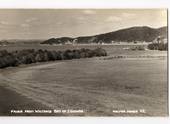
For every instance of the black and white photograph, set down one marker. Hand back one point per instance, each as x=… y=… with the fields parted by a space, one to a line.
x=84 y=62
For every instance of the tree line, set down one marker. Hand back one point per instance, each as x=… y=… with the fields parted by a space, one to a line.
x=29 y=56
x=158 y=46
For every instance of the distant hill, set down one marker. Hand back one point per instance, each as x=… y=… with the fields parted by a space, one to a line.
x=132 y=34
x=58 y=40
x=5 y=42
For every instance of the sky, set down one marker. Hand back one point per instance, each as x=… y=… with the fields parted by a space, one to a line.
x=49 y=23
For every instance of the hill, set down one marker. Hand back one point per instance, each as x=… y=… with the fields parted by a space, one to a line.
x=132 y=34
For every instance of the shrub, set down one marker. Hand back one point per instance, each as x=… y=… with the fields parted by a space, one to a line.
x=137 y=48
x=99 y=52
x=3 y=53
x=68 y=54
x=31 y=56
x=76 y=54
x=7 y=61
x=160 y=46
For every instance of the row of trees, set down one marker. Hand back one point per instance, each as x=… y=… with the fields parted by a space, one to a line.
x=32 y=56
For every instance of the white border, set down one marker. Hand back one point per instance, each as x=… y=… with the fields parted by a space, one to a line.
x=84 y=120
x=84 y=4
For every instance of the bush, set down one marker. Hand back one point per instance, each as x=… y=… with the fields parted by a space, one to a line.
x=160 y=46
x=137 y=48
x=76 y=54
x=7 y=61
x=99 y=52
x=31 y=56
x=3 y=53
x=68 y=54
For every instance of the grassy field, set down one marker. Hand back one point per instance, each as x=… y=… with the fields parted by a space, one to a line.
x=96 y=85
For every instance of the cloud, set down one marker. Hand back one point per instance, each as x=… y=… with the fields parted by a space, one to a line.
x=113 y=19
x=24 y=25
x=120 y=17
x=81 y=18
x=59 y=23
x=89 y=12
x=4 y=23
x=31 y=19
x=10 y=26
x=128 y=15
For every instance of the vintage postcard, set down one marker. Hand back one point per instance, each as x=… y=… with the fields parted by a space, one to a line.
x=84 y=62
